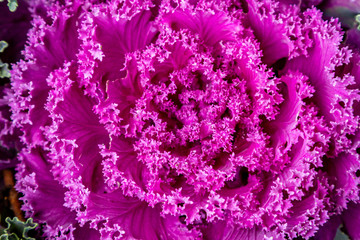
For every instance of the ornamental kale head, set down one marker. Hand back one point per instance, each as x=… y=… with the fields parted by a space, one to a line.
x=185 y=119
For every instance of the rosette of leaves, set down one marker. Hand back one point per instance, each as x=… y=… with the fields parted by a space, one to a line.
x=207 y=119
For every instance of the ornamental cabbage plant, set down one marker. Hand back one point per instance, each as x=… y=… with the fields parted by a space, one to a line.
x=170 y=119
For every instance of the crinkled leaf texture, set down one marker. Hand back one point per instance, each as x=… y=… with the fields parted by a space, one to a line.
x=185 y=120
